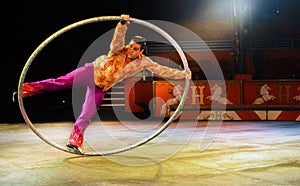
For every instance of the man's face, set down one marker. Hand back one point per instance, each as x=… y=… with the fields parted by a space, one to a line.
x=134 y=50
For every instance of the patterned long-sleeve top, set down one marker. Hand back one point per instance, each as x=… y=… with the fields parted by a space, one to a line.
x=114 y=67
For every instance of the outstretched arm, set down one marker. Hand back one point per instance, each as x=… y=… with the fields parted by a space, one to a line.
x=166 y=72
x=118 y=39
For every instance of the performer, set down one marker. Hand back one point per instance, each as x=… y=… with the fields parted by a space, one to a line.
x=100 y=75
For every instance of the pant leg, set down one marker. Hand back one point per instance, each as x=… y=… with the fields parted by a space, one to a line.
x=83 y=76
x=94 y=96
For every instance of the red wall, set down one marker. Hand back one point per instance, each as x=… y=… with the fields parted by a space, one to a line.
x=241 y=96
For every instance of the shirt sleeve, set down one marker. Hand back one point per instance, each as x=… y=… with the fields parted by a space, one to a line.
x=118 y=40
x=163 y=71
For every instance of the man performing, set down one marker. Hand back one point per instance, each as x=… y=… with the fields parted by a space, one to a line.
x=99 y=76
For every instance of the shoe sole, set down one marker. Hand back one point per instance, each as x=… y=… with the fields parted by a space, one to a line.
x=74 y=149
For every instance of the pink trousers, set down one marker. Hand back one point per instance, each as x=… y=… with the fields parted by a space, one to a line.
x=83 y=76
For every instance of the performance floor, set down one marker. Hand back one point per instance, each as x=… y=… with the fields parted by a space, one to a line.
x=228 y=153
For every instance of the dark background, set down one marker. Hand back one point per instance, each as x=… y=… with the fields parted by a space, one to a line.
x=26 y=24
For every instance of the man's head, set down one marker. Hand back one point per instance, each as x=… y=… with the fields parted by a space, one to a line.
x=136 y=47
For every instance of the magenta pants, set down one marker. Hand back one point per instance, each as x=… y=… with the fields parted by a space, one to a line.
x=83 y=76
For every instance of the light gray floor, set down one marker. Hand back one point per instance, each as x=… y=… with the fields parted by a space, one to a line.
x=233 y=153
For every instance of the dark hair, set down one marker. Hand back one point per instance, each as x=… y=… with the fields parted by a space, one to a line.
x=139 y=40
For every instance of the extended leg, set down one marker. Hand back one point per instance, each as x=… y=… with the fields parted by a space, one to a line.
x=78 y=77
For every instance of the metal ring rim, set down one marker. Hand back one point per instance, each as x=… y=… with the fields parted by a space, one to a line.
x=87 y=21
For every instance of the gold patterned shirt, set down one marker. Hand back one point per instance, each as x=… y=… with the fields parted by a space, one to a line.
x=114 y=67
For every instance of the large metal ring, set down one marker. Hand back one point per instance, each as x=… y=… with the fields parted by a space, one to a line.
x=92 y=20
